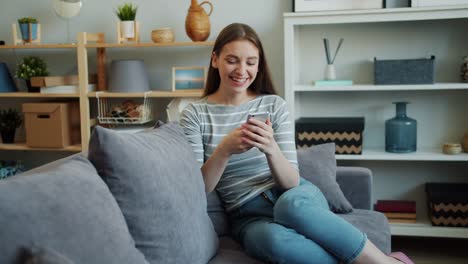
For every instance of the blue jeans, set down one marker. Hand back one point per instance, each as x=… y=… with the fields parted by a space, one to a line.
x=295 y=226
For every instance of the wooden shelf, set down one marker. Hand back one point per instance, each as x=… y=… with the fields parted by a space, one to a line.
x=37 y=95
x=23 y=146
x=425 y=229
x=40 y=46
x=150 y=44
x=152 y=94
x=371 y=87
x=420 y=155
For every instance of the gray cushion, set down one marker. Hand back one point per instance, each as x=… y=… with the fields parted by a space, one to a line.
x=318 y=165
x=230 y=252
x=217 y=214
x=65 y=206
x=158 y=184
x=374 y=224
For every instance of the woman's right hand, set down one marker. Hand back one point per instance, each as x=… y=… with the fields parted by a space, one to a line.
x=232 y=143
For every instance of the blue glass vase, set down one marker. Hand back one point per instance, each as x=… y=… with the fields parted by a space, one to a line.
x=400 y=131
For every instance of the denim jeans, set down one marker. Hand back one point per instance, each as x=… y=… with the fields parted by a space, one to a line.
x=295 y=226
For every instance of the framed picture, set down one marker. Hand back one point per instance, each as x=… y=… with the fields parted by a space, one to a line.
x=188 y=78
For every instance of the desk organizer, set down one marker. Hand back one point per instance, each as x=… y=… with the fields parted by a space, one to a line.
x=448 y=204
x=345 y=132
x=410 y=71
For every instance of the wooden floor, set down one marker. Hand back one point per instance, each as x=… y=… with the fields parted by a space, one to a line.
x=433 y=250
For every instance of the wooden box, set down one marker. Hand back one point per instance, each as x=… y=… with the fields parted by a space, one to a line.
x=345 y=132
x=448 y=204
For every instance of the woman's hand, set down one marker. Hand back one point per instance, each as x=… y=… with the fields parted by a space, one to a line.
x=260 y=135
x=233 y=142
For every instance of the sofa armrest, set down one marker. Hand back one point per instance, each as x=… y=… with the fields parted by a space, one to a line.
x=356 y=184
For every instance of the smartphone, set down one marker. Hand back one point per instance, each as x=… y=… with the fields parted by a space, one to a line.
x=263 y=116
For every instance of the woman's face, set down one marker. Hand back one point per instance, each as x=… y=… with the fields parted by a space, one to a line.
x=237 y=65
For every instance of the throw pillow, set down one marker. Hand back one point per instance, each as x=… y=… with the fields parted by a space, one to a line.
x=158 y=184
x=317 y=164
x=66 y=206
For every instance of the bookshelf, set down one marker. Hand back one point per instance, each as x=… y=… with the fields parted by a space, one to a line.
x=440 y=109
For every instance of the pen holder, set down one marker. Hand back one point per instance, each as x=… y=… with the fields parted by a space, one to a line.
x=330 y=73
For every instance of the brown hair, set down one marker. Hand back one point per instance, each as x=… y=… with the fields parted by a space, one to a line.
x=237 y=31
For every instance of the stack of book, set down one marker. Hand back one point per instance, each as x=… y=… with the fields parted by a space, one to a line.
x=397 y=211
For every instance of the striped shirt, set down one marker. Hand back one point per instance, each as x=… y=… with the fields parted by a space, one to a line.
x=246 y=174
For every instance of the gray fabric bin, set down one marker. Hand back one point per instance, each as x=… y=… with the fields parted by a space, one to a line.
x=410 y=71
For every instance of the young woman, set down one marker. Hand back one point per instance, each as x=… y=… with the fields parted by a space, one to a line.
x=277 y=216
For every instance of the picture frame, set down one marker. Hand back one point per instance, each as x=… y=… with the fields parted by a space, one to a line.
x=189 y=78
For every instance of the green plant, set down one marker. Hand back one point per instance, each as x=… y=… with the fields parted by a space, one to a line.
x=126 y=12
x=31 y=66
x=26 y=20
x=10 y=119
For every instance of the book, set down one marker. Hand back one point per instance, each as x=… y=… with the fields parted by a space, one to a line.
x=401 y=221
x=46 y=81
x=400 y=206
x=400 y=215
x=333 y=82
x=65 y=89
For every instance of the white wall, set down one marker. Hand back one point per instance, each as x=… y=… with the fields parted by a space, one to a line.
x=265 y=16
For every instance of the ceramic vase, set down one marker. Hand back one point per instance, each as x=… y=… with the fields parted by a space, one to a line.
x=197 y=22
x=400 y=131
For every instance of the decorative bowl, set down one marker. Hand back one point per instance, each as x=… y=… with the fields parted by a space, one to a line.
x=162 y=35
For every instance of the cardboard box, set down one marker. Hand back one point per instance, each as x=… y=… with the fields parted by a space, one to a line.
x=51 y=125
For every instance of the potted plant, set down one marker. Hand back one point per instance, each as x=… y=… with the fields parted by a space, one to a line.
x=10 y=120
x=127 y=13
x=31 y=66
x=28 y=27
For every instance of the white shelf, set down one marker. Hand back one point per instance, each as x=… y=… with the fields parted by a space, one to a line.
x=377 y=15
x=425 y=229
x=420 y=155
x=371 y=87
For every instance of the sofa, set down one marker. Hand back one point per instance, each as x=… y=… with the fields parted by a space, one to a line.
x=139 y=198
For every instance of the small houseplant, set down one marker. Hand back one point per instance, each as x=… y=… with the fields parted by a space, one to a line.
x=10 y=120
x=127 y=13
x=31 y=66
x=28 y=28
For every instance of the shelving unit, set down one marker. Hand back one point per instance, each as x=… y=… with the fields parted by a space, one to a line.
x=439 y=108
x=85 y=42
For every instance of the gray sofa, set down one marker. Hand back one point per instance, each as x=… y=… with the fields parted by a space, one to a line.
x=356 y=183
x=103 y=209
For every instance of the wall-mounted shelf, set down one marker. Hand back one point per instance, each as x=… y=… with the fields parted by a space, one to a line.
x=23 y=146
x=151 y=94
x=37 y=95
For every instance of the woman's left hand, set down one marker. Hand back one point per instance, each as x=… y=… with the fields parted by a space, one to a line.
x=260 y=135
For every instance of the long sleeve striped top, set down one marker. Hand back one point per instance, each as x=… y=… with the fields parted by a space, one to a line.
x=246 y=174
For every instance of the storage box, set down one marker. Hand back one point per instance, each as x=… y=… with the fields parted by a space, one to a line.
x=448 y=204
x=345 y=132
x=51 y=125
x=324 y=5
x=410 y=71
